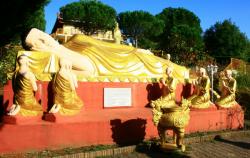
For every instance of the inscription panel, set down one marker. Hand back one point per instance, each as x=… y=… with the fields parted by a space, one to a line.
x=117 y=97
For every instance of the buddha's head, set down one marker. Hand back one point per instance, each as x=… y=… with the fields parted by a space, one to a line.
x=168 y=56
x=222 y=74
x=35 y=39
x=23 y=60
x=228 y=73
x=202 y=72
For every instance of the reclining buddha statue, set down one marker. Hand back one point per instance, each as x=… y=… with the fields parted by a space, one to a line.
x=92 y=58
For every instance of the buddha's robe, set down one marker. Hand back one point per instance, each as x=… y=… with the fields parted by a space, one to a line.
x=201 y=99
x=70 y=103
x=120 y=60
x=227 y=98
x=24 y=96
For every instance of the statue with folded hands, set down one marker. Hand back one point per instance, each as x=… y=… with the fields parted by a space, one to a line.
x=24 y=87
x=201 y=97
x=228 y=89
x=66 y=100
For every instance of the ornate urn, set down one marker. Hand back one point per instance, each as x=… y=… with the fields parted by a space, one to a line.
x=174 y=118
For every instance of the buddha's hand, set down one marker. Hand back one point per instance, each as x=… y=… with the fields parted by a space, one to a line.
x=162 y=81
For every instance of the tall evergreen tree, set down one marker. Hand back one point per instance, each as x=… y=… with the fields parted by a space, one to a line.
x=140 y=26
x=182 y=34
x=89 y=15
x=224 y=40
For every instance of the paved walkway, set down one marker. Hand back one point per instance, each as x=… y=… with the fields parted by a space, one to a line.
x=219 y=148
x=222 y=148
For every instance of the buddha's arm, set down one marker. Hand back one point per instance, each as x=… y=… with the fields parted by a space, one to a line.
x=80 y=62
x=163 y=81
x=232 y=86
x=205 y=86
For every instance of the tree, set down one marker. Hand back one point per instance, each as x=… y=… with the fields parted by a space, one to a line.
x=22 y=14
x=140 y=25
x=182 y=34
x=224 y=40
x=89 y=15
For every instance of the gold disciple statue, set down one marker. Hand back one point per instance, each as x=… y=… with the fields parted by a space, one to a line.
x=66 y=100
x=228 y=89
x=167 y=99
x=24 y=86
x=201 y=97
x=117 y=34
x=97 y=59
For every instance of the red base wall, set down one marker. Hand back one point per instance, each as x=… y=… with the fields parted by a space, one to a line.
x=98 y=125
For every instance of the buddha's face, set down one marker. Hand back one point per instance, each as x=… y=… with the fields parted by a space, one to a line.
x=23 y=60
x=222 y=74
x=39 y=40
x=228 y=73
x=202 y=72
x=168 y=57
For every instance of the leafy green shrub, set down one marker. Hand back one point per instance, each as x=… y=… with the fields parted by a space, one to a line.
x=243 y=93
x=8 y=55
x=243 y=81
x=242 y=97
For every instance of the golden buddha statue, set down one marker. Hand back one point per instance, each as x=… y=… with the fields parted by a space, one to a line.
x=24 y=86
x=66 y=100
x=227 y=89
x=201 y=97
x=169 y=84
x=117 y=34
x=96 y=59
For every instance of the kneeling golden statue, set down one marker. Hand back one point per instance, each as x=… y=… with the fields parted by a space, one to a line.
x=228 y=89
x=24 y=86
x=201 y=97
x=66 y=100
x=168 y=91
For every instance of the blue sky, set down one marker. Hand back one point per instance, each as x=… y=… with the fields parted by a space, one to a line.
x=209 y=11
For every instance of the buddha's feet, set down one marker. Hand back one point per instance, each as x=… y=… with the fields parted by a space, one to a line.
x=55 y=108
x=15 y=108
